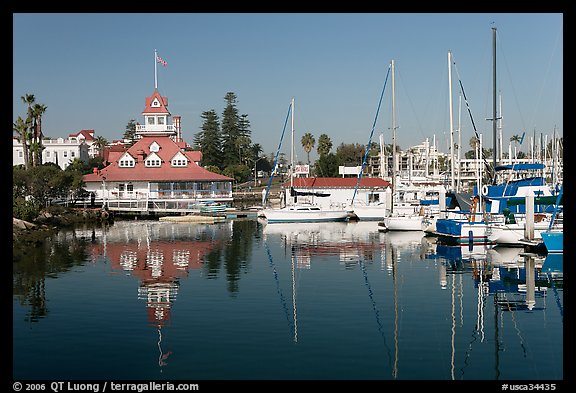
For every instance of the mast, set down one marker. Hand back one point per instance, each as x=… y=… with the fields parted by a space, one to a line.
x=459 y=183
x=500 y=150
x=155 y=70
x=292 y=149
x=494 y=114
x=451 y=121
x=394 y=166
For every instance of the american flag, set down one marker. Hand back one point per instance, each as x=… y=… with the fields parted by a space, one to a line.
x=161 y=61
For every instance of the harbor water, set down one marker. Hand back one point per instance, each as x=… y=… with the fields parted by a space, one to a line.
x=247 y=300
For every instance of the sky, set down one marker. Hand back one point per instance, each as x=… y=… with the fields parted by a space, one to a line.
x=94 y=71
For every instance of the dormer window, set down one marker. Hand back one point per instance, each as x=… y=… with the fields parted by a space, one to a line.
x=154 y=147
x=179 y=160
x=126 y=163
x=155 y=103
x=153 y=161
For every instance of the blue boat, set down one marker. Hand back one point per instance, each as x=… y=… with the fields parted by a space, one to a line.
x=521 y=180
x=553 y=238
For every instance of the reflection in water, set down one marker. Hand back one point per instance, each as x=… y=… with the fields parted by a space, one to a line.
x=354 y=244
x=484 y=297
x=516 y=281
x=33 y=264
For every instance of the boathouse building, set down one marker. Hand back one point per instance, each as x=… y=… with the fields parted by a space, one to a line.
x=159 y=173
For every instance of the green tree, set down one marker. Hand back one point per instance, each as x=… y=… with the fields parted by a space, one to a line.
x=327 y=165
x=230 y=131
x=29 y=100
x=37 y=112
x=21 y=128
x=240 y=173
x=244 y=139
x=351 y=154
x=130 y=132
x=324 y=145
x=308 y=142
x=100 y=142
x=209 y=140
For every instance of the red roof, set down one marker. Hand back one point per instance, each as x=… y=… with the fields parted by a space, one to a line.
x=338 y=182
x=87 y=134
x=160 y=109
x=166 y=172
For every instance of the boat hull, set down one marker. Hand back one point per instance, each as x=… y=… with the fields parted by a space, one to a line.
x=288 y=215
x=403 y=223
x=462 y=231
x=511 y=234
x=553 y=241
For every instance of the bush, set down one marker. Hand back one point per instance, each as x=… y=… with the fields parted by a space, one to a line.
x=25 y=210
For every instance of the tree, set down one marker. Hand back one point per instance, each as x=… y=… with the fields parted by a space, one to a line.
x=324 y=145
x=28 y=99
x=244 y=139
x=351 y=154
x=230 y=131
x=516 y=139
x=130 y=132
x=308 y=142
x=37 y=112
x=209 y=140
x=100 y=142
x=327 y=165
x=21 y=128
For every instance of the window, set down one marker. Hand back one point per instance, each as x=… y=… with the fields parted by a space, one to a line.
x=65 y=154
x=160 y=120
x=153 y=162
x=126 y=163
x=151 y=120
x=179 y=162
x=72 y=154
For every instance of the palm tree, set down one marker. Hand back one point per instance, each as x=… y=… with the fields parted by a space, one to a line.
x=28 y=99
x=100 y=142
x=516 y=139
x=324 y=145
x=21 y=128
x=37 y=112
x=308 y=142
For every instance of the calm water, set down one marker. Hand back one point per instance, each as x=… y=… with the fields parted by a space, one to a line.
x=241 y=300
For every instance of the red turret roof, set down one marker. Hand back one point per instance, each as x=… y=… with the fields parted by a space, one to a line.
x=162 y=104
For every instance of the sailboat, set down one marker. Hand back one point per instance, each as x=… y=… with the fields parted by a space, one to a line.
x=296 y=211
x=490 y=201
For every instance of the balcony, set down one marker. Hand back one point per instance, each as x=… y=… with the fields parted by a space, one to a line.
x=155 y=128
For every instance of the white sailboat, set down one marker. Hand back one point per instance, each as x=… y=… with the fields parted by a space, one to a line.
x=295 y=211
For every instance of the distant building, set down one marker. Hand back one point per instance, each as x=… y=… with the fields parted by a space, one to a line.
x=59 y=151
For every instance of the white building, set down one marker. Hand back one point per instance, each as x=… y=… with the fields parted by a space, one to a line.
x=59 y=151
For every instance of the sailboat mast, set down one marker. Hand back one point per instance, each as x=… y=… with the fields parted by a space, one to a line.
x=292 y=149
x=494 y=114
x=394 y=166
x=452 y=177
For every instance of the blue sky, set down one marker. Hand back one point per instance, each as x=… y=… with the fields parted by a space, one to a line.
x=94 y=70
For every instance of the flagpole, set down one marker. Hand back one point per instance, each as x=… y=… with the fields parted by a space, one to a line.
x=155 y=70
